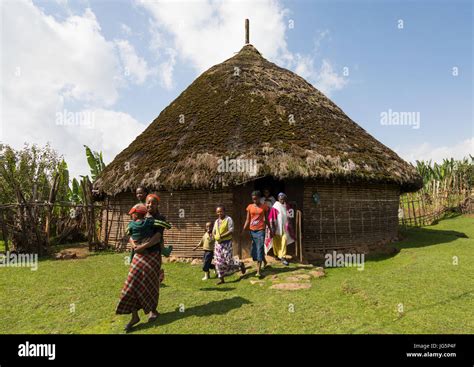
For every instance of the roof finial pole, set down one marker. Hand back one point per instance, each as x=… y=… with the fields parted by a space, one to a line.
x=247 y=32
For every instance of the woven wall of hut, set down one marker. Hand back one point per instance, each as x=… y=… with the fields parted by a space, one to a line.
x=345 y=217
x=187 y=211
x=348 y=217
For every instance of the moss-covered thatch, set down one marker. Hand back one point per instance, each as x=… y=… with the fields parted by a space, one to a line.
x=249 y=108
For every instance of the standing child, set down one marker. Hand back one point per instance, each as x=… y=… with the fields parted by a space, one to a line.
x=207 y=243
x=141 y=193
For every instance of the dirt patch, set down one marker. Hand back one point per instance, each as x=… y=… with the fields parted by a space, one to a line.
x=184 y=260
x=73 y=253
x=291 y=286
x=317 y=273
x=298 y=278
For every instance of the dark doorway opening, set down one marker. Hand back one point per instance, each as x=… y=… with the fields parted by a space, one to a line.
x=242 y=198
x=275 y=186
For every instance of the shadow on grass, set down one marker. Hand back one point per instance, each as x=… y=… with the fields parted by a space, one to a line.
x=458 y=297
x=416 y=238
x=381 y=328
x=217 y=289
x=448 y=300
x=220 y=307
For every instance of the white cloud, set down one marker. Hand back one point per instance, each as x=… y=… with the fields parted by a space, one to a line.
x=134 y=66
x=327 y=80
x=304 y=66
x=166 y=69
x=209 y=32
x=48 y=65
x=206 y=32
x=110 y=132
x=126 y=30
x=427 y=151
x=324 y=78
x=319 y=38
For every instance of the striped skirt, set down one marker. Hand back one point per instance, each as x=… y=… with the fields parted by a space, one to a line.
x=142 y=287
x=224 y=259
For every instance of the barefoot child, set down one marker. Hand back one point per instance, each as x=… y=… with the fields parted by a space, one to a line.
x=207 y=243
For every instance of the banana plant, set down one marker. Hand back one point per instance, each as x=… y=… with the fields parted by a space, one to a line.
x=95 y=161
x=75 y=192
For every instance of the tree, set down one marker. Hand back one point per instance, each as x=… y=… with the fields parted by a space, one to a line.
x=31 y=176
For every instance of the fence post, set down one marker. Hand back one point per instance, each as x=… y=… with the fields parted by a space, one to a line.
x=299 y=236
x=4 y=230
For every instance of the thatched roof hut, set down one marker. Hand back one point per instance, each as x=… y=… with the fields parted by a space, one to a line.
x=248 y=107
x=251 y=110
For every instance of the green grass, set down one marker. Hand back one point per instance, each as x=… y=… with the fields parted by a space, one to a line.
x=437 y=296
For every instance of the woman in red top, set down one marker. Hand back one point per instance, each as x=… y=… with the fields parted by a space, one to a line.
x=256 y=222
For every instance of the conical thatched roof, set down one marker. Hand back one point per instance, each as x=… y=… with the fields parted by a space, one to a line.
x=249 y=108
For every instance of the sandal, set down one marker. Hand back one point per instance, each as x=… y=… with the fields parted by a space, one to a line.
x=153 y=318
x=130 y=326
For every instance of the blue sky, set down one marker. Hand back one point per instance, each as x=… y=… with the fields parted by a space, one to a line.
x=146 y=53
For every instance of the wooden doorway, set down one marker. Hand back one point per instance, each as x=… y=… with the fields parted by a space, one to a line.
x=242 y=198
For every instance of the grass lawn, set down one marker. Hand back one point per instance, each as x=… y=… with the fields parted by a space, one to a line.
x=437 y=296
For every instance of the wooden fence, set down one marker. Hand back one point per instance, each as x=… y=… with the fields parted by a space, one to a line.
x=32 y=227
x=422 y=209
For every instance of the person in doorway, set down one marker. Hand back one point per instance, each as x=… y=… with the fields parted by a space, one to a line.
x=256 y=222
x=267 y=198
x=281 y=232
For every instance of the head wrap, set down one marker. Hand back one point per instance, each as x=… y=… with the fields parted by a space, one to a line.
x=138 y=208
x=282 y=194
x=154 y=196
